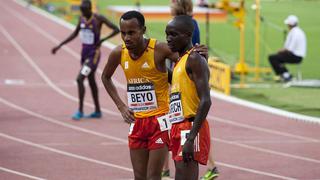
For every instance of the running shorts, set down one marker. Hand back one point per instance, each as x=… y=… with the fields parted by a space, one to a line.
x=178 y=134
x=146 y=133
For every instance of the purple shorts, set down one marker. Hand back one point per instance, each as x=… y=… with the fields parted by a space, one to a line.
x=90 y=56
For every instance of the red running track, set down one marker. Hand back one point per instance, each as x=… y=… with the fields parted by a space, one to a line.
x=38 y=140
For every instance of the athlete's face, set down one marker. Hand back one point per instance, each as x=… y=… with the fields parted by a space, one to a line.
x=85 y=9
x=175 y=38
x=131 y=33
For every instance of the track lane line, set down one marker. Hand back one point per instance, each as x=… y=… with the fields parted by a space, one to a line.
x=122 y=86
x=230 y=99
x=60 y=123
x=64 y=153
x=248 y=170
x=20 y=173
x=43 y=75
x=242 y=145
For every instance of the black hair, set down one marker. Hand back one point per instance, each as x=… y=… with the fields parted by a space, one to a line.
x=184 y=23
x=86 y=3
x=134 y=14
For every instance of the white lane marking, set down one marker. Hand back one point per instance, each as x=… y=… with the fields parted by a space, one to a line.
x=117 y=139
x=118 y=84
x=60 y=123
x=255 y=171
x=231 y=99
x=56 y=41
x=226 y=121
x=266 y=130
x=65 y=153
x=121 y=140
x=267 y=150
x=20 y=173
x=14 y=82
x=43 y=75
x=272 y=141
x=316 y=140
x=265 y=108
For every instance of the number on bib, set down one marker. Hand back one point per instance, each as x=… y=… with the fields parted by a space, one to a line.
x=164 y=123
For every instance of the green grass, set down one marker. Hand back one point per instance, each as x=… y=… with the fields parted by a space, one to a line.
x=224 y=42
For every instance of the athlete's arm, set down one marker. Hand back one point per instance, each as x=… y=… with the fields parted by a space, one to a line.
x=68 y=39
x=198 y=72
x=109 y=69
x=115 y=29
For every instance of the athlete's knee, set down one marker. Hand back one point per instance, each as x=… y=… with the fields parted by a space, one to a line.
x=80 y=79
x=92 y=82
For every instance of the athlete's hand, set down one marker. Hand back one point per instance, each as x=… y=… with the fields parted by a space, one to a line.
x=127 y=114
x=188 y=151
x=202 y=50
x=55 y=49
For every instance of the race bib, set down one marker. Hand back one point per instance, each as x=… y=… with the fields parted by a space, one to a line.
x=176 y=111
x=87 y=36
x=85 y=70
x=184 y=135
x=141 y=97
x=164 y=123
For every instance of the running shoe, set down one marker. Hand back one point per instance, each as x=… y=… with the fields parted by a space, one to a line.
x=211 y=174
x=165 y=173
x=94 y=115
x=77 y=115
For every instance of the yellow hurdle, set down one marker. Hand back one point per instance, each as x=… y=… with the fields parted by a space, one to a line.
x=220 y=76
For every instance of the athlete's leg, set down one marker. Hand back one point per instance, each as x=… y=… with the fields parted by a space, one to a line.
x=166 y=167
x=139 y=160
x=186 y=171
x=156 y=162
x=81 y=90
x=94 y=90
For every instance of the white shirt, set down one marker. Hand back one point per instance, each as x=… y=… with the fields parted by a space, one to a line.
x=296 y=42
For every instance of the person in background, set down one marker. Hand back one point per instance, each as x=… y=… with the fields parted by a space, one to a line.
x=185 y=7
x=294 y=50
x=89 y=26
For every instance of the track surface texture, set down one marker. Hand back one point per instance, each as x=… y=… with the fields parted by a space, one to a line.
x=38 y=139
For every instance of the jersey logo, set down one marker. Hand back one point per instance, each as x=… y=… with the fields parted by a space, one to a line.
x=159 y=141
x=145 y=65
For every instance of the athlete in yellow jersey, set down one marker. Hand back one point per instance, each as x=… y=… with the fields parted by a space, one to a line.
x=143 y=62
x=189 y=101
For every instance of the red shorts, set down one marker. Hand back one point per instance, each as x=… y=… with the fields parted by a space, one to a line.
x=201 y=142
x=146 y=133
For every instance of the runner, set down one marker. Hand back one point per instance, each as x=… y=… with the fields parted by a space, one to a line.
x=89 y=26
x=143 y=62
x=189 y=101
